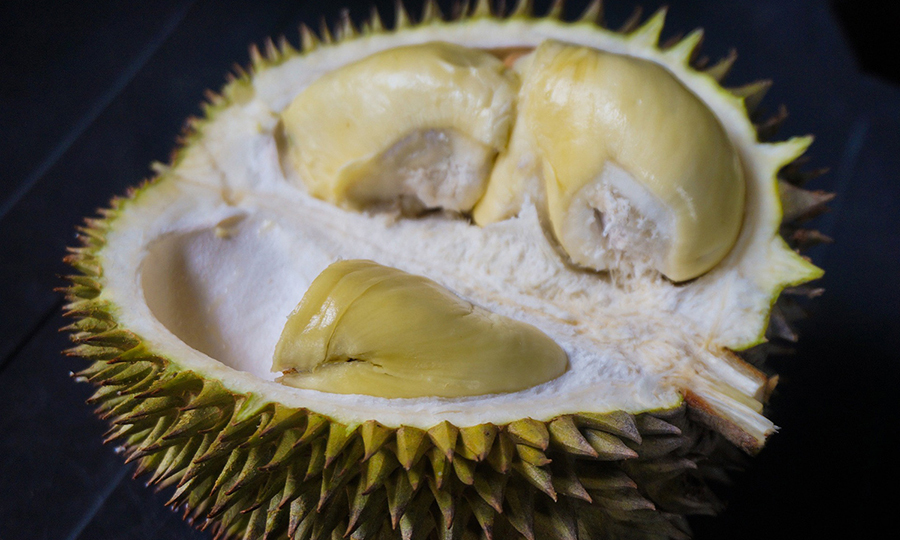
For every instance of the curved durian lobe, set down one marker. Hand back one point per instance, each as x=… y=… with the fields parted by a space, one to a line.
x=364 y=328
x=638 y=171
x=420 y=121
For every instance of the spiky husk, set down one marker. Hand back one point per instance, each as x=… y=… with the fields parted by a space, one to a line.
x=244 y=467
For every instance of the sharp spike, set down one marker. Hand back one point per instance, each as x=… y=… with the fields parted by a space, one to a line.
x=619 y=423
x=416 y=475
x=608 y=446
x=272 y=52
x=325 y=32
x=561 y=523
x=627 y=501
x=555 y=11
x=520 y=509
x=374 y=435
x=607 y=480
x=411 y=445
x=292 y=481
x=250 y=473
x=648 y=33
x=593 y=14
x=799 y=204
x=381 y=464
x=784 y=152
x=479 y=439
x=431 y=12
x=285 y=47
x=445 y=502
x=632 y=21
x=344 y=470
x=752 y=94
x=524 y=10
x=440 y=465
x=195 y=421
x=532 y=455
x=416 y=523
x=316 y=424
x=301 y=508
x=648 y=424
x=465 y=470
x=362 y=506
x=530 y=432
x=376 y=23
x=490 y=488
x=316 y=459
x=502 y=453
x=537 y=477
x=309 y=41
x=213 y=394
x=444 y=437
x=256 y=58
x=346 y=29
x=401 y=16
x=338 y=437
x=569 y=486
x=279 y=421
x=564 y=433
x=482 y=10
x=720 y=69
x=686 y=48
x=483 y=513
x=399 y=492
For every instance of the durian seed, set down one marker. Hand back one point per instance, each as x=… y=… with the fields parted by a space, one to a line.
x=363 y=328
x=420 y=122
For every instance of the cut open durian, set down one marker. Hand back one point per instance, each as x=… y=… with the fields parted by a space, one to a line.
x=187 y=286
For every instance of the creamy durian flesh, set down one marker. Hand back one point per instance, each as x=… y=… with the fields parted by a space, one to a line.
x=364 y=328
x=191 y=282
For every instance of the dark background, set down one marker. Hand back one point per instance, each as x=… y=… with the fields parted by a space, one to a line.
x=91 y=93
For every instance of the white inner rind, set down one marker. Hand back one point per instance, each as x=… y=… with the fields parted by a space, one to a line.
x=227 y=247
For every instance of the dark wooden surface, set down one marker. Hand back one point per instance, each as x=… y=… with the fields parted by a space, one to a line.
x=91 y=93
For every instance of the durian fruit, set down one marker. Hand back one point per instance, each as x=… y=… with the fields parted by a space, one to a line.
x=195 y=286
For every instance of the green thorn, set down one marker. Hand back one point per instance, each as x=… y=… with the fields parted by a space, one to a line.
x=479 y=439
x=607 y=446
x=564 y=432
x=537 y=477
x=338 y=437
x=374 y=435
x=465 y=470
x=530 y=432
x=411 y=445
x=618 y=423
x=444 y=436
x=532 y=455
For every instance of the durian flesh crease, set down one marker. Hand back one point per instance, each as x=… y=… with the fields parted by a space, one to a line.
x=216 y=303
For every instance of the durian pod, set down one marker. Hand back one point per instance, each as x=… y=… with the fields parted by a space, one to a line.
x=246 y=460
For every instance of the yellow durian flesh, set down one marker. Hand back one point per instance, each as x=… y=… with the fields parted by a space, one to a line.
x=637 y=170
x=420 y=121
x=364 y=328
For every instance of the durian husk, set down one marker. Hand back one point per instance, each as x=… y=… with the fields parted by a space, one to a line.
x=245 y=467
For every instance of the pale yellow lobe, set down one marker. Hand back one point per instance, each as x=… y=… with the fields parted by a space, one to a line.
x=421 y=121
x=637 y=169
x=363 y=328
